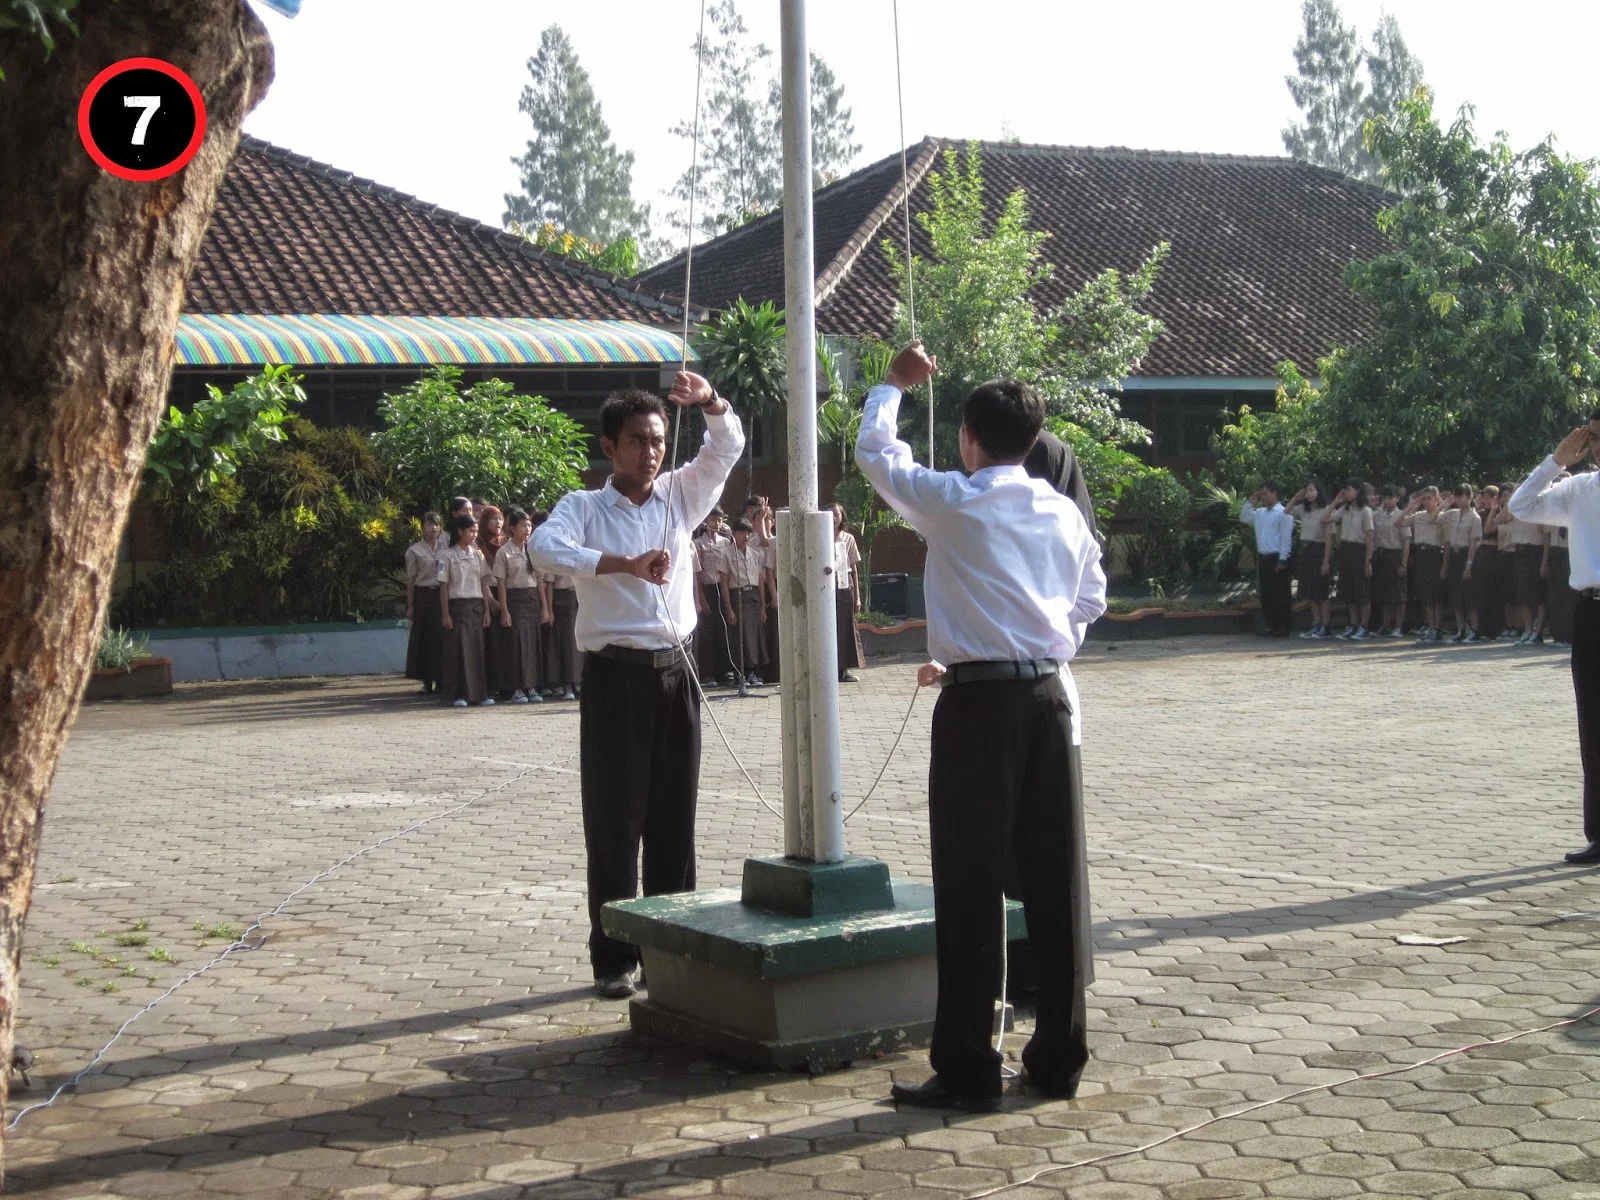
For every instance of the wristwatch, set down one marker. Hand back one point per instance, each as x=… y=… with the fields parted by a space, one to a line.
x=708 y=403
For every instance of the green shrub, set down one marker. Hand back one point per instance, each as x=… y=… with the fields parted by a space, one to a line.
x=1158 y=505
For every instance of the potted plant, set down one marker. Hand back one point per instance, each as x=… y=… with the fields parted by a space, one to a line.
x=124 y=668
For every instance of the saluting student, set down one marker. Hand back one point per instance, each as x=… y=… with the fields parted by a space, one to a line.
x=464 y=613
x=1530 y=546
x=1422 y=518
x=1463 y=532
x=1274 y=529
x=769 y=566
x=1351 y=521
x=1310 y=508
x=425 y=645
x=1390 y=536
x=744 y=590
x=627 y=546
x=522 y=612
x=847 y=595
x=712 y=638
x=1013 y=580
x=1574 y=504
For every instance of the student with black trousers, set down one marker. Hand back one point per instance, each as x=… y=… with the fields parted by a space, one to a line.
x=1574 y=505
x=627 y=546
x=1013 y=581
x=1274 y=529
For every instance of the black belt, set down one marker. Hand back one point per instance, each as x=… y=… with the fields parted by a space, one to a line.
x=740 y=591
x=658 y=660
x=1589 y=593
x=991 y=672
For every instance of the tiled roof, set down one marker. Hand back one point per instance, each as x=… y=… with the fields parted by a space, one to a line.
x=1256 y=274
x=295 y=236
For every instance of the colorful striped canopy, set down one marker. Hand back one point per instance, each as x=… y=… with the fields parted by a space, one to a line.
x=329 y=340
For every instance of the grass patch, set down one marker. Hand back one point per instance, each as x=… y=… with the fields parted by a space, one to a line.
x=132 y=939
x=110 y=987
x=66 y=879
x=83 y=981
x=157 y=954
x=129 y=972
x=83 y=948
x=51 y=960
x=140 y=926
x=221 y=929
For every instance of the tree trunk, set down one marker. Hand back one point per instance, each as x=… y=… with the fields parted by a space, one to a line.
x=94 y=269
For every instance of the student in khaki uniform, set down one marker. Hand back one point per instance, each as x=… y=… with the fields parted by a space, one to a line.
x=522 y=612
x=464 y=613
x=1463 y=533
x=768 y=531
x=1505 y=566
x=1488 y=601
x=1310 y=509
x=713 y=640
x=426 y=642
x=1350 y=520
x=1389 y=537
x=1563 y=602
x=1530 y=546
x=847 y=592
x=1422 y=520
x=559 y=656
x=744 y=586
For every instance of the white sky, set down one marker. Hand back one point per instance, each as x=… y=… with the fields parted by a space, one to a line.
x=422 y=94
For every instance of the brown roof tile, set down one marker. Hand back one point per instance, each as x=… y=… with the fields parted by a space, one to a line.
x=1256 y=275
x=290 y=235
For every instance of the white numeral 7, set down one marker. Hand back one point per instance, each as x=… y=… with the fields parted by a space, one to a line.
x=150 y=104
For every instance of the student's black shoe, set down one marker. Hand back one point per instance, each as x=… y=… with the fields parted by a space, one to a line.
x=1586 y=857
x=1056 y=1091
x=616 y=987
x=846 y=677
x=934 y=1094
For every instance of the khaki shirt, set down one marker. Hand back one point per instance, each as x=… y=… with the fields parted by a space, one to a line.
x=1462 y=530
x=742 y=568
x=513 y=569
x=1522 y=533
x=422 y=563
x=708 y=551
x=1426 y=528
x=1354 y=523
x=462 y=571
x=845 y=557
x=1389 y=532
x=558 y=583
x=1313 y=523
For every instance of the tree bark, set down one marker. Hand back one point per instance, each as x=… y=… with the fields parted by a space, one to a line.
x=94 y=269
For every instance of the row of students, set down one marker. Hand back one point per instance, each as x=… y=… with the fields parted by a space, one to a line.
x=1406 y=562
x=486 y=623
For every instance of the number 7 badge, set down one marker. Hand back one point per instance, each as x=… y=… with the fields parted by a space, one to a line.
x=142 y=119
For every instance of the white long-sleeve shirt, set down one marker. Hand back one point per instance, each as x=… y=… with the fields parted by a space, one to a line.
x=1572 y=504
x=1274 y=528
x=1013 y=572
x=623 y=610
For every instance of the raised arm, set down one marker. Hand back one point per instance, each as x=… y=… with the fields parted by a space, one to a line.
x=912 y=490
x=695 y=486
x=1542 y=499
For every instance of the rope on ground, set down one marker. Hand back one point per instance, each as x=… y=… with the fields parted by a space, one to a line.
x=888 y=758
x=242 y=942
x=1261 y=1104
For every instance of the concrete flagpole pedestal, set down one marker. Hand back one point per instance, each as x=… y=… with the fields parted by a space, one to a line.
x=819 y=958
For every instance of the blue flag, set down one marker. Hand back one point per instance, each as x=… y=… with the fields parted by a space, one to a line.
x=289 y=8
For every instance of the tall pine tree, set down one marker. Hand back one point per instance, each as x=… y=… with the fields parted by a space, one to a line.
x=741 y=141
x=572 y=174
x=1334 y=103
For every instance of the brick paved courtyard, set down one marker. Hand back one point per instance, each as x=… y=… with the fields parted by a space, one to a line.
x=1265 y=822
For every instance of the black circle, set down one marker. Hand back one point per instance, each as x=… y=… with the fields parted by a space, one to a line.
x=113 y=122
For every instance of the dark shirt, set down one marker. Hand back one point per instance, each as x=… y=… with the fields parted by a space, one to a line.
x=1052 y=460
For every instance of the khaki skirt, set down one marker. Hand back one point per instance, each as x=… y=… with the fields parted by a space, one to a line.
x=463 y=676
x=519 y=645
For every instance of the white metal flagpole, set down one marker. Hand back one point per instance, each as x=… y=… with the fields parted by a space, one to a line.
x=806 y=549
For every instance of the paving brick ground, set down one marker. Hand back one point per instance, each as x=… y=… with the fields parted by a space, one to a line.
x=1265 y=821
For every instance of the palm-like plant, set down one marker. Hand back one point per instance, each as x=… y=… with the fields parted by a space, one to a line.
x=743 y=353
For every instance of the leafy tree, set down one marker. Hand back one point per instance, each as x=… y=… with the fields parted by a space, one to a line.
x=838 y=424
x=484 y=441
x=1108 y=469
x=975 y=308
x=573 y=176
x=740 y=167
x=745 y=359
x=1159 y=506
x=621 y=257
x=1487 y=310
x=1289 y=443
x=1334 y=102
x=197 y=450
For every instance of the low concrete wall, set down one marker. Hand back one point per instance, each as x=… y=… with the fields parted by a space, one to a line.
x=282 y=651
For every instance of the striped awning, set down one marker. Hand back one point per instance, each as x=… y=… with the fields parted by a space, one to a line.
x=331 y=340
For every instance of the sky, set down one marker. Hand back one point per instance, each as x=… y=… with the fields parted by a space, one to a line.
x=422 y=94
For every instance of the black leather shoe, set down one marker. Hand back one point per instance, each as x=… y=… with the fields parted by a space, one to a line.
x=1062 y=1091
x=616 y=987
x=1586 y=857
x=934 y=1094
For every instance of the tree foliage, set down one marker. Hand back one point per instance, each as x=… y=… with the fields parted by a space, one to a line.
x=745 y=359
x=573 y=176
x=487 y=440
x=976 y=311
x=838 y=425
x=197 y=450
x=620 y=257
x=1334 y=102
x=36 y=16
x=739 y=173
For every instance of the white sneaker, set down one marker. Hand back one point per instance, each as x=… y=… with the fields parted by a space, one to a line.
x=1347 y=633
x=519 y=697
x=1360 y=635
x=458 y=704
x=569 y=694
x=535 y=698
x=488 y=703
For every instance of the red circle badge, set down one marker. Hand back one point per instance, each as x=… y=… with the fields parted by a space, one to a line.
x=142 y=119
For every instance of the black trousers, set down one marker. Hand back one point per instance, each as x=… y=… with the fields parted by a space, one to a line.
x=713 y=641
x=1586 y=688
x=1273 y=586
x=1003 y=784
x=639 y=739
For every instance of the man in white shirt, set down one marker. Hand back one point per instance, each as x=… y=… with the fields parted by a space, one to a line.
x=1574 y=505
x=1013 y=580
x=627 y=546
x=1274 y=528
